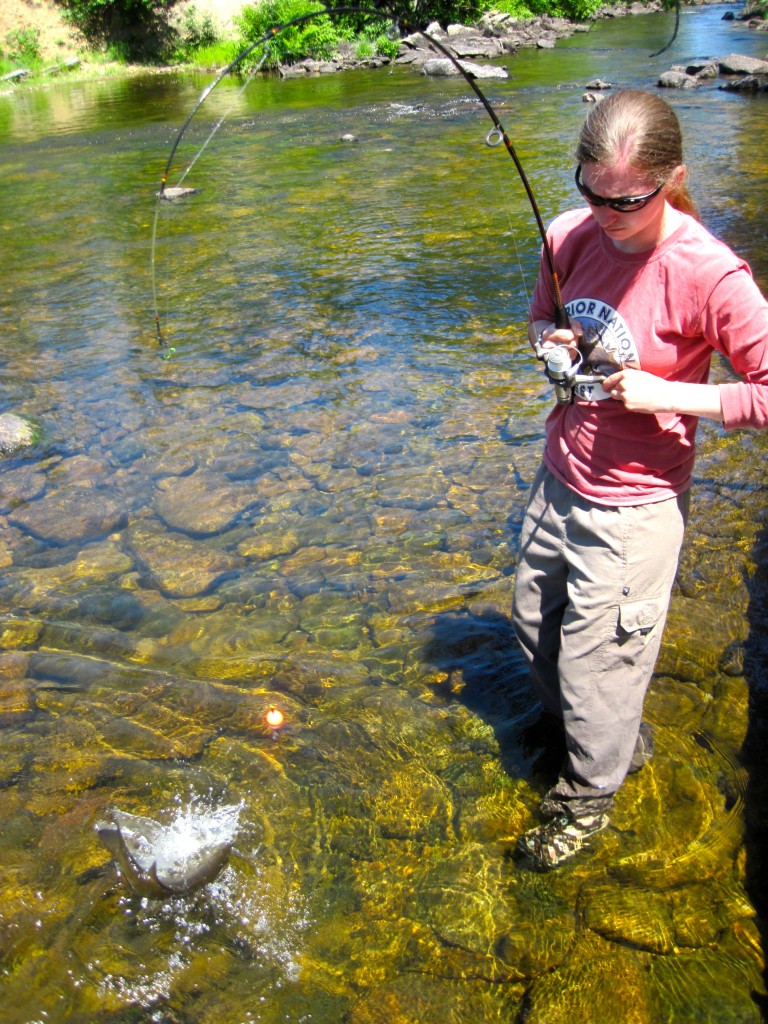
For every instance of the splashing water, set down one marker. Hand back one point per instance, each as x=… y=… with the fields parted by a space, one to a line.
x=248 y=908
x=194 y=827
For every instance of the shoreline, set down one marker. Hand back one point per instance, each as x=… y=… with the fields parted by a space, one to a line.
x=541 y=31
x=494 y=36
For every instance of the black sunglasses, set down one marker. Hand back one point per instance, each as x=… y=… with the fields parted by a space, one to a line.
x=622 y=204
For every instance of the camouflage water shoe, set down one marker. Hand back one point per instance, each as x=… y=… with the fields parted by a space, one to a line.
x=559 y=839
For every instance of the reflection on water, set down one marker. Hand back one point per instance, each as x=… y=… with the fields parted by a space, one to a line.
x=313 y=504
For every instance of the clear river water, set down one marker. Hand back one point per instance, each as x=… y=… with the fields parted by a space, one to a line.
x=309 y=500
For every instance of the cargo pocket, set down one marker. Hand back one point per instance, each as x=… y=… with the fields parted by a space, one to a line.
x=638 y=618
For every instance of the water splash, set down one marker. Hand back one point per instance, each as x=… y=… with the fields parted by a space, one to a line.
x=196 y=825
x=250 y=908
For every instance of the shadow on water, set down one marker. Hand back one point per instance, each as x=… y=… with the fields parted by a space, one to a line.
x=755 y=748
x=487 y=673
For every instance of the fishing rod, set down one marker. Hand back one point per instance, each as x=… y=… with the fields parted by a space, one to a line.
x=495 y=136
x=664 y=48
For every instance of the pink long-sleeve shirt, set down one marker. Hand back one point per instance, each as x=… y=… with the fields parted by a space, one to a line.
x=664 y=311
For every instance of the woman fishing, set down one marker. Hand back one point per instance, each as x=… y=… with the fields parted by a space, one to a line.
x=650 y=295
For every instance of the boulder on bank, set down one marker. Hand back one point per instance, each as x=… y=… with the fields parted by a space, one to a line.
x=442 y=66
x=747 y=74
x=493 y=36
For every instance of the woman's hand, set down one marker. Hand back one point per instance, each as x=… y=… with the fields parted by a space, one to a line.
x=640 y=391
x=549 y=336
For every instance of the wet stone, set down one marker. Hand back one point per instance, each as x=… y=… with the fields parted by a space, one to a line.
x=99 y=562
x=211 y=603
x=203 y=503
x=405 y=488
x=640 y=918
x=136 y=724
x=285 y=396
x=176 y=565
x=74 y=513
x=413 y=803
x=705 y=985
x=267 y=541
x=162 y=457
x=701 y=912
x=17 y=702
x=279 y=490
x=16 y=432
x=695 y=634
x=732 y=659
x=535 y=947
x=16 y=633
x=598 y=983
x=18 y=485
x=413 y=998
x=78 y=469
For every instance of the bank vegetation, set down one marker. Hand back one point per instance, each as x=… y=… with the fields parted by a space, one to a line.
x=174 y=32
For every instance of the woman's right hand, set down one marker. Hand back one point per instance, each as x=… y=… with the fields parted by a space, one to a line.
x=545 y=335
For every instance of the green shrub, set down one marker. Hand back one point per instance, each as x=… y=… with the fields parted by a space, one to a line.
x=23 y=45
x=137 y=28
x=386 y=46
x=574 y=10
x=515 y=8
x=380 y=45
x=314 y=38
x=118 y=52
x=364 y=48
x=195 y=33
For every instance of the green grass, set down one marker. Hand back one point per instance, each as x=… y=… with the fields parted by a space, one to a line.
x=213 y=55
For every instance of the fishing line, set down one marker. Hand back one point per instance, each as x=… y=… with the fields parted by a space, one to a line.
x=256 y=68
x=513 y=233
x=161 y=194
x=495 y=137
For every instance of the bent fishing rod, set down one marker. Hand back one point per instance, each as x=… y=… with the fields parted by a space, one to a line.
x=495 y=136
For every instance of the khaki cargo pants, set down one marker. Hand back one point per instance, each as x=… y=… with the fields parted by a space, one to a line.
x=590 y=601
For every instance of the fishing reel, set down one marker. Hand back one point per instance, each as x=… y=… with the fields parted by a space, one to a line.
x=562 y=365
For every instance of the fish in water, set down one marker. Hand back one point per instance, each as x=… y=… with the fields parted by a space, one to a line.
x=154 y=862
x=176 y=192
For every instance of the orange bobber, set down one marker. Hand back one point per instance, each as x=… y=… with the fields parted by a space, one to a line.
x=274 y=718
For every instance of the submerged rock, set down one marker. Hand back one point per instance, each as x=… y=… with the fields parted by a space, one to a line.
x=203 y=503
x=749 y=83
x=177 y=565
x=70 y=514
